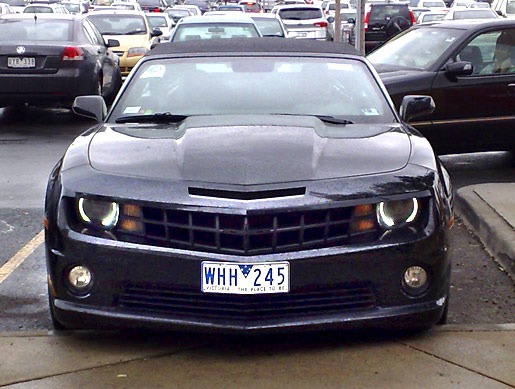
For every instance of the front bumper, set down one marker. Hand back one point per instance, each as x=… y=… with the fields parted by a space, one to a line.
x=340 y=287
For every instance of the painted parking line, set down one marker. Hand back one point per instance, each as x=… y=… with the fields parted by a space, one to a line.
x=20 y=256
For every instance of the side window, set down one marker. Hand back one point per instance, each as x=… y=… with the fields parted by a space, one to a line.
x=93 y=35
x=491 y=53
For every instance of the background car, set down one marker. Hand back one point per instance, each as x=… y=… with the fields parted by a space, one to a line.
x=128 y=5
x=131 y=29
x=43 y=7
x=153 y=5
x=178 y=13
x=251 y=6
x=431 y=16
x=230 y=8
x=162 y=22
x=50 y=62
x=471 y=13
x=219 y=195
x=304 y=21
x=504 y=8
x=6 y=9
x=16 y=5
x=270 y=25
x=203 y=5
x=330 y=7
x=76 y=7
x=214 y=27
x=453 y=62
x=385 y=20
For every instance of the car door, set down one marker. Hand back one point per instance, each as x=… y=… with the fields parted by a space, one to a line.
x=108 y=62
x=474 y=112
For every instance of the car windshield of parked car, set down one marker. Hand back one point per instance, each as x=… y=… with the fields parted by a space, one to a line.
x=419 y=48
x=119 y=24
x=43 y=30
x=340 y=90
x=300 y=13
x=194 y=31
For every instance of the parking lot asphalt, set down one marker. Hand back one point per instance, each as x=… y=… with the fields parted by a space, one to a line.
x=448 y=356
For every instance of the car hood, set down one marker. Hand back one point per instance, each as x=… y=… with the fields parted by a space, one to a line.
x=258 y=152
x=393 y=72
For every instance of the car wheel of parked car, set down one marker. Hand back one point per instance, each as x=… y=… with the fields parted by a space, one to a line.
x=396 y=25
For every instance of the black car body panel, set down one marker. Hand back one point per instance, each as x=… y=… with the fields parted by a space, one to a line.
x=71 y=63
x=248 y=190
x=473 y=112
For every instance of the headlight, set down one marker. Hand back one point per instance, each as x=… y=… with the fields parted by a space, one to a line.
x=99 y=213
x=395 y=214
x=137 y=51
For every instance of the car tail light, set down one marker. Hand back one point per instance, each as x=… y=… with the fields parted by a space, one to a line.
x=72 y=53
x=365 y=22
x=320 y=24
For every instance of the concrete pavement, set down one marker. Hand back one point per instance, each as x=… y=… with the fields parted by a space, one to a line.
x=450 y=356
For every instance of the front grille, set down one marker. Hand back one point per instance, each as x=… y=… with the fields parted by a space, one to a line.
x=297 y=304
x=248 y=234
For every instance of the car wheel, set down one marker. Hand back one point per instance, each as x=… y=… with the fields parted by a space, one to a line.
x=396 y=25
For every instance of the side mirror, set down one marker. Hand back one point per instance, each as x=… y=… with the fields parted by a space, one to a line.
x=456 y=69
x=156 y=32
x=92 y=107
x=330 y=19
x=416 y=105
x=351 y=20
x=113 y=43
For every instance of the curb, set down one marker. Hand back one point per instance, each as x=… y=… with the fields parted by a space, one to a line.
x=494 y=231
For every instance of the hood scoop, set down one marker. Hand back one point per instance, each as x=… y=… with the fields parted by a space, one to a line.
x=247 y=195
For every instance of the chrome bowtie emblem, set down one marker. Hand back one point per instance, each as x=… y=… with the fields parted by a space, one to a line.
x=20 y=50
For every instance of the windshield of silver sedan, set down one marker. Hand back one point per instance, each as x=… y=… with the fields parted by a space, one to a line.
x=342 y=89
x=417 y=49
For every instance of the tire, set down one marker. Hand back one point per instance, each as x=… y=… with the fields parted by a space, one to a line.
x=396 y=25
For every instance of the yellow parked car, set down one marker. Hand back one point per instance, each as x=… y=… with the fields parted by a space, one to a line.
x=131 y=29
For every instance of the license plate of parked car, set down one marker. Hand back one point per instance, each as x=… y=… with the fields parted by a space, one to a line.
x=17 y=62
x=245 y=278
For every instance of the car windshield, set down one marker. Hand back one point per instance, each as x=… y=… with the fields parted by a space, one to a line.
x=15 y=3
x=419 y=48
x=42 y=30
x=340 y=91
x=194 y=31
x=119 y=24
x=157 y=21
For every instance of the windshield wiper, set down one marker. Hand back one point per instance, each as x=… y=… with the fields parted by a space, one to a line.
x=324 y=118
x=161 y=117
x=333 y=120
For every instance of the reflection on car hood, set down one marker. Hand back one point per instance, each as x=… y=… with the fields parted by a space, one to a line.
x=249 y=154
x=393 y=71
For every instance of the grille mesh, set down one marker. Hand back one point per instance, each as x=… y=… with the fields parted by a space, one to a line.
x=303 y=302
x=248 y=234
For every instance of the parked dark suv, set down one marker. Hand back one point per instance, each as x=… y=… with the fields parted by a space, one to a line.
x=384 y=20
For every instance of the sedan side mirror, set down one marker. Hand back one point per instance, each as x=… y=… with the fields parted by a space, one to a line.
x=113 y=43
x=92 y=107
x=416 y=105
x=456 y=69
x=156 y=32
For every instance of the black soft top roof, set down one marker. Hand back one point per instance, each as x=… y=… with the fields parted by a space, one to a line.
x=253 y=45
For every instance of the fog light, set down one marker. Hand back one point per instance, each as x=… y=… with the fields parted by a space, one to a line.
x=415 y=278
x=80 y=278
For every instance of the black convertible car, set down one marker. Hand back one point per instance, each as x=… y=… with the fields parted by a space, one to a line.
x=251 y=185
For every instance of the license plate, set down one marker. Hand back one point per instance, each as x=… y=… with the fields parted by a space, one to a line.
x=302 y=34
x=245 y=278
x=25 y=62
